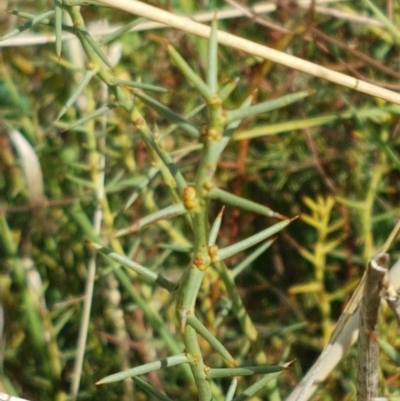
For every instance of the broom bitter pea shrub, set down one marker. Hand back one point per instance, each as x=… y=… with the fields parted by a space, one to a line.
x=193 y=200
x=196 y=201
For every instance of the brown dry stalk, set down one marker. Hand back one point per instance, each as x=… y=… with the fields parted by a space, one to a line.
x=368 y=348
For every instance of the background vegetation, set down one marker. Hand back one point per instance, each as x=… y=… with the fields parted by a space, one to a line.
x=332 y=159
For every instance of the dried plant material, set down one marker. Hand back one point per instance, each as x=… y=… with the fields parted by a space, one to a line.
x=30 y=167
x=368 y=348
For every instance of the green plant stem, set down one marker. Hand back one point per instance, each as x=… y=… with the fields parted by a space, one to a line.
x=367 y=211
x=192 y=278
x=246 y=323
x=97 y=161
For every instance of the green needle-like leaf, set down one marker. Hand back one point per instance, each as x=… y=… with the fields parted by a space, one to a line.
x=78 y=91
x=257 y=386
x=212 y=68
x=169 y=114
x=246 y=262
x=28 y=24
x=311 y=221
x=392 y=28
x=99 y=112
x=231 y=128
x=215 y=228
x=225 y=91
x=187 y=116
x=118 y=183
x=145 y=181
x=269 y=105
x=176 y=248
x=203 y=331
x=85 y=35
x=231 y=391
x=334 y=226
x=389 y=351
x=58 y=20
x=287 y=126
x=147 y=388
x=245 y=204
x=143 y=369
x=355 y=204
x=331 y=245
x=245 y=371
x=38 y=19
x=370 y=113
x=136 y=267
x=189 y=73
x=390 y=153
x=106 y=40
x=307 y=255
x=164 y=156
x=139 y=85
x=167 y=213
x=253 y=240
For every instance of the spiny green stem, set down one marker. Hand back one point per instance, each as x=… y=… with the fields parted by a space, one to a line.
x=146 y=368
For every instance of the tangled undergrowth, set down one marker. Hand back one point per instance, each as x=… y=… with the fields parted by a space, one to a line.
x=170 y=154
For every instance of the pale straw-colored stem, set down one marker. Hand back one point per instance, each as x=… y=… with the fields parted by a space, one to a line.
x=188 y=25
x=368 y=348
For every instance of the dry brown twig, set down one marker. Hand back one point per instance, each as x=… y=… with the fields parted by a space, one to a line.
x=368 y=348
